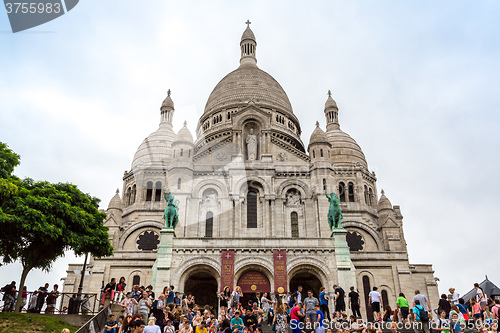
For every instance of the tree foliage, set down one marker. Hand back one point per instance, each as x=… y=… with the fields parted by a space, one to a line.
x=40 y=220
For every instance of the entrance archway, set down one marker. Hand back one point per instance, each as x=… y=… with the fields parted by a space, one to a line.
x=252 y=282
x=203 y=286
x=307 y=280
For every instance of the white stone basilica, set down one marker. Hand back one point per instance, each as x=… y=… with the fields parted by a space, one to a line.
x=248 y=186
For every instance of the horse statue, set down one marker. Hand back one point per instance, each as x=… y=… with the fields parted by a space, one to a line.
x=334 y=212
x=170 y=214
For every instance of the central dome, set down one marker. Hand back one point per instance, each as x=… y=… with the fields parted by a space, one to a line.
x=248 y=83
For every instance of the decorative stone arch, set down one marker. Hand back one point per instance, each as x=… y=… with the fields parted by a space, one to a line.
x=295 y=184
x=246 y=264
x=207 y=183
x=309 y=264
x=390 y=294
x=363 y=227
x=137 y=226
x=256 y=116
x=362 y=273
x=133 y=273
x=242 y=184
x=190 y=266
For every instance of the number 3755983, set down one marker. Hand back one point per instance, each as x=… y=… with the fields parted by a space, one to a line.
x=25 y=7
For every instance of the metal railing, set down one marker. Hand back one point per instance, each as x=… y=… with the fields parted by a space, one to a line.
x=97 y=322
x=66 y=303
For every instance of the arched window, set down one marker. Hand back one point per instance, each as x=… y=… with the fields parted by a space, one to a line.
x=128 y=196
x=370 y=197
x=342 y=191
x=294 y=217
x=314 y=154
x=385 y=298
x=366 y=195
x=366 y=292
x=149 y=191
x=182 y=152
x=324 y=184
x=321 y=152
x=179 y=183
x=209 y=225
x=134 y=190
x=252 y=209
x=158 y=191
x=136 y=280
x=350 y=190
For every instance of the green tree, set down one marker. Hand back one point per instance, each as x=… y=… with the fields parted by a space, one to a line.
x=42 y=220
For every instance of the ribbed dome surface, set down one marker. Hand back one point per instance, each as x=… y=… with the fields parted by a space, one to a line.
x=167 y=102
x=184 y=135
x=155 y=148
x=116 y=202
x=344 y=150
x=248 y=34
x=384 y=203
x=247 y=83
x=330 y=102
x=318 y=136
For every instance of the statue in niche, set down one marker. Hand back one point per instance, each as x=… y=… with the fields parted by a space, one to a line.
x=211 y=198
x=292 y=199
x=251 y=146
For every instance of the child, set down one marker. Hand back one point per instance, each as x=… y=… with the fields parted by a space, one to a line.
x=476 y=312
x=455 y=324
x=320 y=317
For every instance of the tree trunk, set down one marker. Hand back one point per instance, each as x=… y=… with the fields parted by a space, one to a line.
x=24 y=274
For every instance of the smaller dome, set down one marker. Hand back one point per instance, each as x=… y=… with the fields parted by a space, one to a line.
x=330 y=103
x=116 y=201
x=167 y=102
x=318 y=136
x=384 y=203
x=184 y=135
x=248 y=34
x=345 y=151
x=156 y=148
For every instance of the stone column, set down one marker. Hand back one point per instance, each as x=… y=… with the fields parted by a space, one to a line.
x=161 y=267
x=345 y=268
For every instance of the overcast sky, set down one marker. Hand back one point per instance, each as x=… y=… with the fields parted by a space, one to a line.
x=416 y=83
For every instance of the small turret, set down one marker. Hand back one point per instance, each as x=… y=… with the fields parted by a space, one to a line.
x=248 y=46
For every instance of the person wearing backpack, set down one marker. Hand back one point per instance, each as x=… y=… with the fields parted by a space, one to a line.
x=421 y=317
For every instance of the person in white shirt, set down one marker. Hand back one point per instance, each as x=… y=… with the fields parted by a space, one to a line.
x=454 y=296
x=374 y=300
x=480 y=296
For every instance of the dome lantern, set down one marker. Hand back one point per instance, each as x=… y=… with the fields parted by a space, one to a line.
x=167 y=110
x=248 y=46
x=331 y=113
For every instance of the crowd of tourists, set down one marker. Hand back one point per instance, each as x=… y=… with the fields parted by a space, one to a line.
x=167 y=312
x=39 y=298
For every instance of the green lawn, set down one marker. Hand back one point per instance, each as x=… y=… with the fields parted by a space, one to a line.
x=28 y=322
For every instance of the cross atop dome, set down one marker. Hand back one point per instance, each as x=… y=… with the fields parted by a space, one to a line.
x=248 y=45
x=168 y=92
x=329 y=93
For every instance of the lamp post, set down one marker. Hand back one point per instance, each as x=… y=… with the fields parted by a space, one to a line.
x=80 y=287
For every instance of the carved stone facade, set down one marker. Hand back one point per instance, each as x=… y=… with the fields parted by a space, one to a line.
x=248 y=184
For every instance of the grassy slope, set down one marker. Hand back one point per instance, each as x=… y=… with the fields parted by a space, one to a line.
x=17 y=323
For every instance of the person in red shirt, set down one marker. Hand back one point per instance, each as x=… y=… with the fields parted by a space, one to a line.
x=295 y=316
